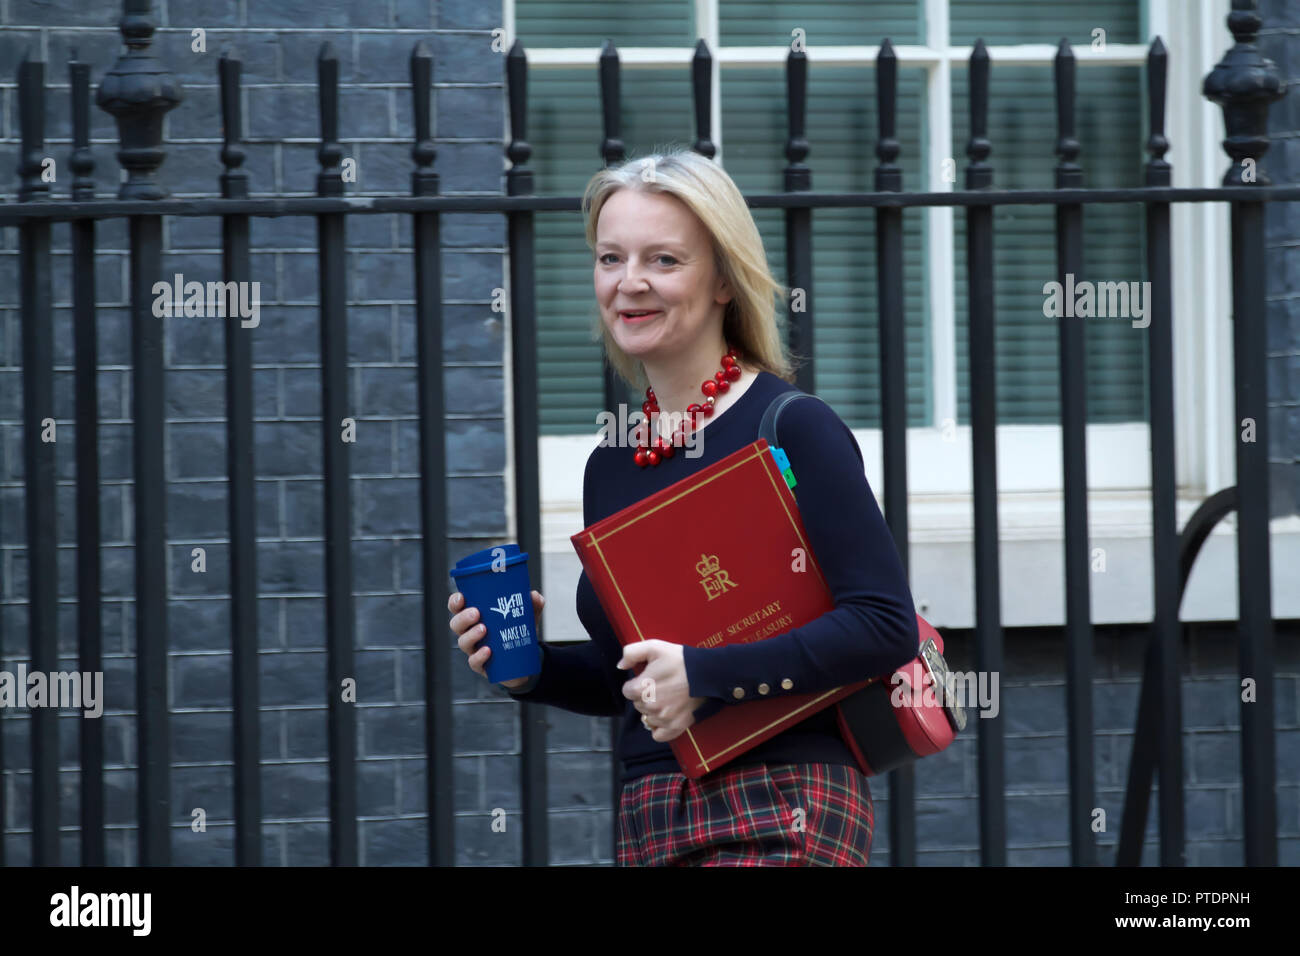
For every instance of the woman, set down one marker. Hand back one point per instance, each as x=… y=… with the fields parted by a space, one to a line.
x=687 y=312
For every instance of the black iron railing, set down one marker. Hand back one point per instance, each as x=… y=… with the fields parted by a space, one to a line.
x=138 y=90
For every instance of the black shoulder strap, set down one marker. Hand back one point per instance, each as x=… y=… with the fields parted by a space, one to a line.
x=767 y=428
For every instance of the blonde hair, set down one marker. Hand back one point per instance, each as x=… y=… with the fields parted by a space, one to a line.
x=749 y=319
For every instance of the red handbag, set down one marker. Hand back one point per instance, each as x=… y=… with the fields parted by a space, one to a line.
x=913 y=713
x=888 y=724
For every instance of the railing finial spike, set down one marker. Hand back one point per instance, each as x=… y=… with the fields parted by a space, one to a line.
x=888 y=176
x=82 y=160
x=329 y=181
x=611 y=108
x=519 y=179
x=702 y=97
x=424 y=181
x=979 y=174
x=1068 y=174
x=234 y=181
x=1158 y=169
x=797 y=175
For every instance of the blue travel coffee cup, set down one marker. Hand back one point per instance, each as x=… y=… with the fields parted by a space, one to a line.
x=495 y=580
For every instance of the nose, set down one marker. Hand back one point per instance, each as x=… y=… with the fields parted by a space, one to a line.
x=632 y=279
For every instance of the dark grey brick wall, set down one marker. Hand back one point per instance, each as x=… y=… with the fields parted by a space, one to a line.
x=278 y=43
x=1280 y=41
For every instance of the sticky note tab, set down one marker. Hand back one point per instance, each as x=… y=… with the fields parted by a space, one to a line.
x=783 y=463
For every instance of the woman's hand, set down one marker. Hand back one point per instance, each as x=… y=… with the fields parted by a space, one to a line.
x=660 y=692
x=468 y=630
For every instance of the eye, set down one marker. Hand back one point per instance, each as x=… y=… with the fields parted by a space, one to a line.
x=601 y=259
x=671 y=260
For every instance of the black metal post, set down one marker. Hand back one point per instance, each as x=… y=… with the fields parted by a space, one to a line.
x=615 y=391
x=340 y=624
x=1165 y=628
x=893 y=399
x=138 y=91
x=85 y=375
x=528 y=509
x=1074 y=448
x=798 y=224
x=242 y=498
x=611 y=152
x=983 y=411
x=439 y=779
x=1244 y=83
x=38 y=460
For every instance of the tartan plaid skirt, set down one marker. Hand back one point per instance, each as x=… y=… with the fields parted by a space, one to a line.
x=748 y=816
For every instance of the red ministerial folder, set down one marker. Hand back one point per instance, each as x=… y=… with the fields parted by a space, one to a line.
x=720 y=557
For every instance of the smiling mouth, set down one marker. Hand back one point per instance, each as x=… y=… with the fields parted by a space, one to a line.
x=637 y=315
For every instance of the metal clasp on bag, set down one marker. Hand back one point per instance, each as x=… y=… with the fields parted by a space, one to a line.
x=938 y=670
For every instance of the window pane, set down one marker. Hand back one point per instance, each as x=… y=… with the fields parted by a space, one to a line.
x=567 y=23
x=1033 y=21
x=825 y=23
x=842 y=133
x=1022 y=129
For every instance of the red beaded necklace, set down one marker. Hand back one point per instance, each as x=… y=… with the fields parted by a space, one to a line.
x=712 y=387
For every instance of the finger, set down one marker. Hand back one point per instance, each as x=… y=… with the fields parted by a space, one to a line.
x=635 y=684
x=455 y=601
x=478 y=661
x=654 y=712
x=472 y=636
x=462 y=621
x=538 y=600
x=634 y=654
x=668 y=730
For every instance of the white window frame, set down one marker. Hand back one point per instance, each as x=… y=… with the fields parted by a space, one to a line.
x=1029 y=459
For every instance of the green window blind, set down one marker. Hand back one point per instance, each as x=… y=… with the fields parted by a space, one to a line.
x=1032 y=21
x=569 y=23
x=825 y=23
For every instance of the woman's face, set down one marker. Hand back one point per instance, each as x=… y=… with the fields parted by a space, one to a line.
x=654 y=255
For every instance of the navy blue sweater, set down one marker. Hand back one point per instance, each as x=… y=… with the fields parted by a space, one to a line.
x=871 y=631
